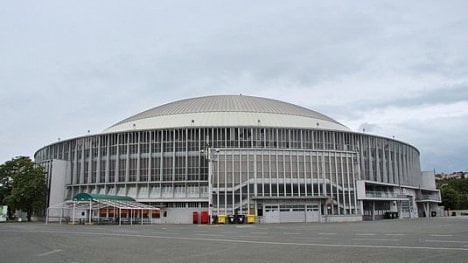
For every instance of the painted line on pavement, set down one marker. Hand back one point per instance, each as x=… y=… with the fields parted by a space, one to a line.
x=445 y=241
x=49 y=253
x=240 y=241
x=210 y=235
x=376 y=239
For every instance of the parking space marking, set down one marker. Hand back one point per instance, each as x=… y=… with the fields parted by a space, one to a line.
x=243 y=241
x=210 y=235
x=50 y=252
x=445 y=241
x=246 y=241
x=377 y=239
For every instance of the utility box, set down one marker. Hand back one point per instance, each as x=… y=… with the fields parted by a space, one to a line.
x=231 y=219
x=195 y=217
x=221 y=219
x=240 y=219
x=204 y=217
x=250 y=219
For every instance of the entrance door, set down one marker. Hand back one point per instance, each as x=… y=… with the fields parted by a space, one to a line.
x=291 y=213
x=292 y=216
x=271 y=214
x=313 y=213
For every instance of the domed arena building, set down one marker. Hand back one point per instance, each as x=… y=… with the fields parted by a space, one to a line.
x=241 y=155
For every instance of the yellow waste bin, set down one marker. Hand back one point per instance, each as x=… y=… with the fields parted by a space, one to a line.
x=221 y=219
x=250 y=219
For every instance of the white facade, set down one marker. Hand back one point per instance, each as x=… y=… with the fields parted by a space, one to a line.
x=279 y=161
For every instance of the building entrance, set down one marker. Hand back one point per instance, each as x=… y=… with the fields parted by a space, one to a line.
x=291 y=213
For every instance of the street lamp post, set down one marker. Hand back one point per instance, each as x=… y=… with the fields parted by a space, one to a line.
x=211 y=157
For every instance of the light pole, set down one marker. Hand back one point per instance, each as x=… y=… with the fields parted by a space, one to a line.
x=441 y=192
x=211 y=157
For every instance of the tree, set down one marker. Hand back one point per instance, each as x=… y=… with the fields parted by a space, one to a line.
x=28 y=185
x=450 y=198
x=6 y=182
x=5 y=185
x=454 y=192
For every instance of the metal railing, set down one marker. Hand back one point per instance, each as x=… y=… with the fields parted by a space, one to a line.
x=434 y=197
x=380 y=194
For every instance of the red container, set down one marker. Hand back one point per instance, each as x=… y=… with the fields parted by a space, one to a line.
x=195 y=217
x=204 y=217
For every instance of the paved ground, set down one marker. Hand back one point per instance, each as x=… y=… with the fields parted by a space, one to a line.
x=416 y=240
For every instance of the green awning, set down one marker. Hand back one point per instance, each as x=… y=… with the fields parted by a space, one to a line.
x=87 y=197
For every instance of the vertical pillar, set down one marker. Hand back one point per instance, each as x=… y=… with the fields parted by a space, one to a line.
x=373 y=210
x=47 y=216
x=73 y=216
x=61 y=214
x=210 y=191
x=90 y=210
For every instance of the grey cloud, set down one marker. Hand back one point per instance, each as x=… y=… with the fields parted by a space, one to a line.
x=77 y=66
x=368 y=127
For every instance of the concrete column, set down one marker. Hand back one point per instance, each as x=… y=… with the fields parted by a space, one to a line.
x=373 y=210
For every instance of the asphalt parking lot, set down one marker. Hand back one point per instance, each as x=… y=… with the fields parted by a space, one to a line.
x=415 y=240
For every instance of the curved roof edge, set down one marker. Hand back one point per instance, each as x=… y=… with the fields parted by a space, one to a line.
x=227 y=110
x=227 y=119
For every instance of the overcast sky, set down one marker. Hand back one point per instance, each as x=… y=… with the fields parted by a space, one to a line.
x=395 y=68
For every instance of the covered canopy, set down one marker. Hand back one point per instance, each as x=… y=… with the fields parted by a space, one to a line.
x=87 y=197
x=116 y=205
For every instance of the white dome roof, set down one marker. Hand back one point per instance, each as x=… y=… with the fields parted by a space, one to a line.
x=227 y=111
